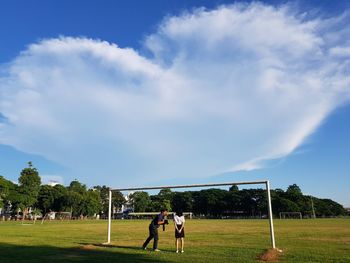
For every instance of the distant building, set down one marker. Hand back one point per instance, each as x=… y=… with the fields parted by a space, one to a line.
x=127 y=207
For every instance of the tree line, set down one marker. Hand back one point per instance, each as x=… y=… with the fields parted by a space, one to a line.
x=30 y=195
x=237 y=203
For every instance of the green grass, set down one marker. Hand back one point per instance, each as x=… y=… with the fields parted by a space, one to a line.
x=320 y=240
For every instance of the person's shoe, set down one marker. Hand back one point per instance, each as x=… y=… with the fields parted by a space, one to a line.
x=144 y=248
x=182 y=251
x=177 y=251
x=156 y=250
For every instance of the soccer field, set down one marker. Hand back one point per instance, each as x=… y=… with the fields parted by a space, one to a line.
x=320 y=240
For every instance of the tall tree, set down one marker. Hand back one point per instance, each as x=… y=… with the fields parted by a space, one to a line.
x=75 y=197
x=29 y=186
x=294 y=193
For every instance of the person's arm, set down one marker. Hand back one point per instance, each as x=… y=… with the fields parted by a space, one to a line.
x=161 y=220
x=176 y=226
x=183 y=224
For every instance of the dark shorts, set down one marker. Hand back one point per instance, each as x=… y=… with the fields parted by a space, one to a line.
x=181 y=234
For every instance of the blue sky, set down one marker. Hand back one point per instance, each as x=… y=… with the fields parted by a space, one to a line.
x=168 y=92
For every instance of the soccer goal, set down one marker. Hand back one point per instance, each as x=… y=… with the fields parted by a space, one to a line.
x=290 y=215
x=266 y=183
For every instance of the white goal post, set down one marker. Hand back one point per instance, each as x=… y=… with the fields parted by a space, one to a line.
x=265 y=182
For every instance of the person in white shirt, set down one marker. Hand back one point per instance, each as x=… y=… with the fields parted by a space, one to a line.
x=179 y=223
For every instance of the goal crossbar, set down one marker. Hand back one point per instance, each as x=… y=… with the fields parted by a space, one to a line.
x=265 y=182
x=185 y=186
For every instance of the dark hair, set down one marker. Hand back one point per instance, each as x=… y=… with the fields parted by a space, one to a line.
x=163 y=210
x=179 y=213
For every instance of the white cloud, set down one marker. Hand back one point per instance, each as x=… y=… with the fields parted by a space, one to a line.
x=52 y=179
x=225 y=89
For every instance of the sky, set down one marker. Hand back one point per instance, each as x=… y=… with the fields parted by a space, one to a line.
x=140 y=93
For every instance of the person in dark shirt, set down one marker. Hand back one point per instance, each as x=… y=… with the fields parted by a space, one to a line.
x=153 y=229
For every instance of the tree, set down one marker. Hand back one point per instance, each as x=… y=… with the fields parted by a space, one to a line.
x=52 y=198
x=260 y=198
x=162 y=200
x=247 y=202
x=13 y=200
x=104 y=195
x=233 y=200
x=117 y=198
x=73 y=202
x=166 y=193
x=75 y=197
x=91 y=203
x=182 y=201
x=140 y=201
x=60 y=193
x=327 y=207
x=46 y=198
x=294 y=193
x=77 y=187
x=281 y=204
x=210 y=202
x=29 y=186
x=4 y=190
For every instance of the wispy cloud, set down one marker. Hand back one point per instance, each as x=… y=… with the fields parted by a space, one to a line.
x=223 y=89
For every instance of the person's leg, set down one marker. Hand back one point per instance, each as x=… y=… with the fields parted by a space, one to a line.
x=177 y=245
x=147 y=241
x=156 y=238
x=151 y=235
x=182 y=244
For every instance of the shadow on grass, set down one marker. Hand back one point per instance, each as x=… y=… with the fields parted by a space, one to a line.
x=122 y=247
x=10 y=253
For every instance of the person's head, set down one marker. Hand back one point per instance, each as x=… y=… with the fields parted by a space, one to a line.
x=179 y=213
x=164 y=211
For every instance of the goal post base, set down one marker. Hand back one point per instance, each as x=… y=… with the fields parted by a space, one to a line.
x=106 y=243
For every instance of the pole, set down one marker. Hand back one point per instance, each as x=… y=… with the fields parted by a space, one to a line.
x=109 y=216
x=186 y=186
x=313 y=209
x=272 y=232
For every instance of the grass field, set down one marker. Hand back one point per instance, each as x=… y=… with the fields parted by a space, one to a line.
x=320 y=240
